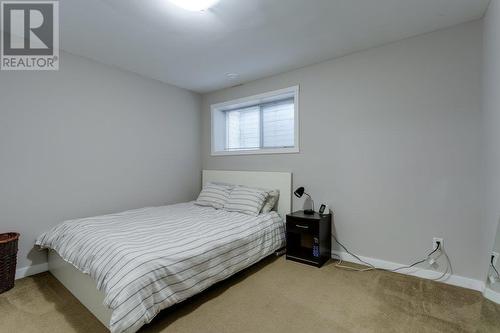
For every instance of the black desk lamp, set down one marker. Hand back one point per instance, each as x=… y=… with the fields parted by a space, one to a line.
x=299 y=193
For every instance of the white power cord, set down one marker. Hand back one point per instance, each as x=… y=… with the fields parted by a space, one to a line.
x=448 y=267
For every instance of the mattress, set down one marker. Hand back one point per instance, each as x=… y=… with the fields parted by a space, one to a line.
x=146 y=260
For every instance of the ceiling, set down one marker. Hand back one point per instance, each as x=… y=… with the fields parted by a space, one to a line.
x=253 y=38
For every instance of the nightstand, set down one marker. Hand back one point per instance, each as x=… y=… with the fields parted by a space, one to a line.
x=308 y=238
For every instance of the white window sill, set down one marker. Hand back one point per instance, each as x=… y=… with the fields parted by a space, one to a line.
x=256 y=152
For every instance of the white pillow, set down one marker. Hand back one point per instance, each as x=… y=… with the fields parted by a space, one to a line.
x=213 y=195
x=271 y=201
x=246 y=200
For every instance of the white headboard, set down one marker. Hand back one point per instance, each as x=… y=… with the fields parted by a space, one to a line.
x=268 y=180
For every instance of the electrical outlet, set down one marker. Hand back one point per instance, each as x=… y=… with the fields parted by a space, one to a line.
x=435 y=241
x=495 y=256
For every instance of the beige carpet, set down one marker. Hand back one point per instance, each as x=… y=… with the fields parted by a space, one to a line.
x=274 y=296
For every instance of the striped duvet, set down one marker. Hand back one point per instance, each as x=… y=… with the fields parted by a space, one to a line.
x=147 y=259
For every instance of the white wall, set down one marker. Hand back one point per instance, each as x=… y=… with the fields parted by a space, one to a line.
x=491 y=129
x=88 y=140
x=390 y=138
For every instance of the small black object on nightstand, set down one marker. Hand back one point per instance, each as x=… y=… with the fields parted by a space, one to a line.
x=308 y=238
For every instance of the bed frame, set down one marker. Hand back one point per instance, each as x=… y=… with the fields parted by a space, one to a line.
x=84 y=288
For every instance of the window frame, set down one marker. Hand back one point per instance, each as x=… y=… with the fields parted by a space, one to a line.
x=218 y=127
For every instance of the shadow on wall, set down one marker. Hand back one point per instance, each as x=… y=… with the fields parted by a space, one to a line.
x=34 y=256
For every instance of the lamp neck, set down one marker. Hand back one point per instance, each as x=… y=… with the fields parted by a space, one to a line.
x=312 y=201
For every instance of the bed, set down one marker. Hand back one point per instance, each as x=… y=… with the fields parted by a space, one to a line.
x=127 y=267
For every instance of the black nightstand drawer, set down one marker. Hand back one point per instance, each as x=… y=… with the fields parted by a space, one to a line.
x=298 y=225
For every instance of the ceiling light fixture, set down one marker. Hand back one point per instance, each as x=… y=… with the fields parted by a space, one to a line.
x=194 y=5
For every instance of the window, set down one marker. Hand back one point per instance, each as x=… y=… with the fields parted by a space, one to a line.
x=263 y=124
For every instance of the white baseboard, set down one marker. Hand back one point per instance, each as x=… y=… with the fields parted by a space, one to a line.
x=31 y=270
x=492 y=295
x=455 y=280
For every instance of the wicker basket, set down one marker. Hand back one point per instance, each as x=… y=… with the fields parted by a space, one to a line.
x=8 y=258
